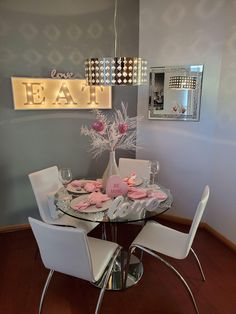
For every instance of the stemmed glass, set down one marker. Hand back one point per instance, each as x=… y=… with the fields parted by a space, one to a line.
x=65 y=176
x=154 y=169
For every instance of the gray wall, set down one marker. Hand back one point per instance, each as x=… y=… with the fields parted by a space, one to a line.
x=192 y=154
x=35 y=37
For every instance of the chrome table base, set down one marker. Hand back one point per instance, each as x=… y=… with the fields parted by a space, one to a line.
x=135 y=273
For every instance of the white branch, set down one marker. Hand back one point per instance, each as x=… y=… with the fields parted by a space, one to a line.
x=111 y=138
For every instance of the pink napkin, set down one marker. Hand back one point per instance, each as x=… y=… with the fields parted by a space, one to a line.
x=98 y=184
x=135 y=193
x=81 y=205
x=76 y=183
x=130 y=181
x=89 y=186
x=93 y=186
x=95 y=198
x=158 y=194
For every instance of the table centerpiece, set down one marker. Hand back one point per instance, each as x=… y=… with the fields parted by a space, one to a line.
x=111 y=132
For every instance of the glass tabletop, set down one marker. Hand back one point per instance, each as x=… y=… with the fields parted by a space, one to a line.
x=103 y=214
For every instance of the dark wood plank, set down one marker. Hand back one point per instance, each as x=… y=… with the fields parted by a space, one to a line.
x=22 y=278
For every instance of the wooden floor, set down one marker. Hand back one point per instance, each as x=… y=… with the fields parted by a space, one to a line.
x=22 y=277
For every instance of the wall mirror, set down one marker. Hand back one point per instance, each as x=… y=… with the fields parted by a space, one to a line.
x=175 y=92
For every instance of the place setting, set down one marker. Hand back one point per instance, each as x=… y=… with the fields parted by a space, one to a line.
x=84 y=186
x=89 y=196
x=92 y=203
x=146 y=193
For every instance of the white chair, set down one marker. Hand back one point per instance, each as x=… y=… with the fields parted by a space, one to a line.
x=70 y=251
x=140 y=167
x=156 y=238
x=43 y=183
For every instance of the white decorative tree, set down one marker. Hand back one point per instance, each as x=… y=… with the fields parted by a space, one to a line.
x=117 y=131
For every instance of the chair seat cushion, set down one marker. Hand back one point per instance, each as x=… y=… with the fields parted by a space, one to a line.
x=101 y=253
x=162 y=239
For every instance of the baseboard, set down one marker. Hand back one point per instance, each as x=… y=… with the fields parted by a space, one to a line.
x=14 y=228
x=220 y=237
x=176 y=219
x=203 y=225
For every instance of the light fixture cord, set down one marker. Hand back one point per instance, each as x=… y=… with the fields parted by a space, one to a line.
x=115 y=30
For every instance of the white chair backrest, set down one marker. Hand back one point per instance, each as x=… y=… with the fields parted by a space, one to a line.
x=44 y=182
x=63 y=249
x=140 y=167
x=198 y=216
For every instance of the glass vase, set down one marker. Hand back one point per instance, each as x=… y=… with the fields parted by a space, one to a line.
x=111 y=169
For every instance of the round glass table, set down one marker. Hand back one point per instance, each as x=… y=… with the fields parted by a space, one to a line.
x=102 y=215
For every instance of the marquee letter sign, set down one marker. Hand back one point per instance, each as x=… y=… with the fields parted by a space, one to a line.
x=50 y=93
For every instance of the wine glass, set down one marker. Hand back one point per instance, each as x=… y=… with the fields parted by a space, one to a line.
x=154 y=169
x=65 y=176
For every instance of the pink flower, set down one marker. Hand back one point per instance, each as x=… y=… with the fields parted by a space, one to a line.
x=98 y=126
x=123 y=127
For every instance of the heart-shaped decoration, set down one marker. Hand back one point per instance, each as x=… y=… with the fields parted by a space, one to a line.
x=115 y=186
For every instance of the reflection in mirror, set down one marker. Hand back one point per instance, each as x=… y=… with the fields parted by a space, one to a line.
x=175 y=92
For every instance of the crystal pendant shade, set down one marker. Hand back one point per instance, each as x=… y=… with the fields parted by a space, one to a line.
x=183 y=82
x=116 y=71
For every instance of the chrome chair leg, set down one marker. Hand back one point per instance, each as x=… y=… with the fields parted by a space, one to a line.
x=199 y=265
x=141 y=255
x=104 y=231
x=109 y=270
x=175 y=271
x=45 y=290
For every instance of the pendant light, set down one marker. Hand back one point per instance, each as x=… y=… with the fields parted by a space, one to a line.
x=183 y=82
x=109 y=71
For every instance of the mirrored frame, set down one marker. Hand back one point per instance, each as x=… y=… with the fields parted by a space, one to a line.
x=175 y=92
